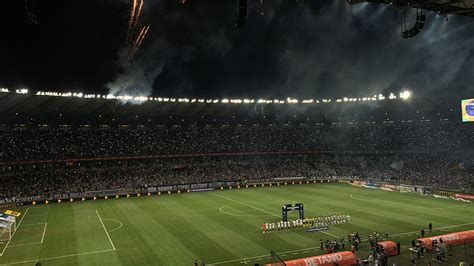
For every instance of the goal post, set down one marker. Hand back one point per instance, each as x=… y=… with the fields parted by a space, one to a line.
x=7 y=229
x=8 y=218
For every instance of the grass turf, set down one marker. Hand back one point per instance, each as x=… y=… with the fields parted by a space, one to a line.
x=221 y=227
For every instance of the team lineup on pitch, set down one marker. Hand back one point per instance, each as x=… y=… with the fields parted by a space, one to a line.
x=220 y=227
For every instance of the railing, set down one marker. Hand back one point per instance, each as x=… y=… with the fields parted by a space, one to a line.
x=217 y=154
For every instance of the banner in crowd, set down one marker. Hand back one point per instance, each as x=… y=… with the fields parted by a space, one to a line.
x=405 y=188
x=12 y=213
x=467 y=107
x=444 y=193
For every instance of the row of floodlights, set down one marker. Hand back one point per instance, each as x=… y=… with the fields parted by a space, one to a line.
x=404 y=95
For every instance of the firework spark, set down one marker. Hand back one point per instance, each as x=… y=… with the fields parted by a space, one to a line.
x=138 y=42
x=138 y=14
x=132 y=16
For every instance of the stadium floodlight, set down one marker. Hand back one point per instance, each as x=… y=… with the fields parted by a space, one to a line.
x=404 y=95
x=21 y=91
x=290 y=100
x=140 y=99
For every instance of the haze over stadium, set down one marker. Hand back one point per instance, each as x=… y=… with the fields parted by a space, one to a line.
x=286 y=132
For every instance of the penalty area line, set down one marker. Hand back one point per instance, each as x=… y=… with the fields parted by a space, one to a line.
x=113 y=220
x=108 y=236
x=60 y=257
x=26 y=244
x=44 y=232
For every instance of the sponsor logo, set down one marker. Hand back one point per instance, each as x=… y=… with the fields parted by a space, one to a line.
x=323 y=259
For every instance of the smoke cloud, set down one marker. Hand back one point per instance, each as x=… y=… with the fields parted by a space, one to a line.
x=296 y=48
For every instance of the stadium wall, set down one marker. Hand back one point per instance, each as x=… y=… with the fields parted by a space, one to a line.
x=165 y=190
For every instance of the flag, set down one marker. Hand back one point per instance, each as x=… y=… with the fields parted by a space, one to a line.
x=467 y=110
x=13 y=213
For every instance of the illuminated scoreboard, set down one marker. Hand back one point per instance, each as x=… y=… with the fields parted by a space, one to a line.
x=467 y=110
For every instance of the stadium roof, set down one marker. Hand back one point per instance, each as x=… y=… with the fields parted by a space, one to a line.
x=36 y=110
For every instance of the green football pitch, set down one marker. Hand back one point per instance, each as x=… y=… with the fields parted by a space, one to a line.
x=222 y=227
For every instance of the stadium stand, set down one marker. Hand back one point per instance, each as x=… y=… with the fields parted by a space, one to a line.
x=60 y=159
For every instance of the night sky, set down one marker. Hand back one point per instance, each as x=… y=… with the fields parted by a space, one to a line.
x=299 y=48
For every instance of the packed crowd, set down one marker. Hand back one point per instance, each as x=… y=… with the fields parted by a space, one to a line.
x=51 y=180
x=56 y=143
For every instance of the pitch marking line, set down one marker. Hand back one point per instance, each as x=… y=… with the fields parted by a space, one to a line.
x=44 y=232
x=60 y=257
x=272 y=214
x=34 y=243
x=436 y=229
x=221 y=209
x=414 y=206
x=19 y=223
x=113 y=220
x=27 y=244
x=33 y=224
x=263 y=256
x=452 y=206
x=59 y=213
x=108 y=236
x=241 y=203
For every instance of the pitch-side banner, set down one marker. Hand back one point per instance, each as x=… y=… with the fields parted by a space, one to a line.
x=343 y=258
x=467 y=110
x=453 y=239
